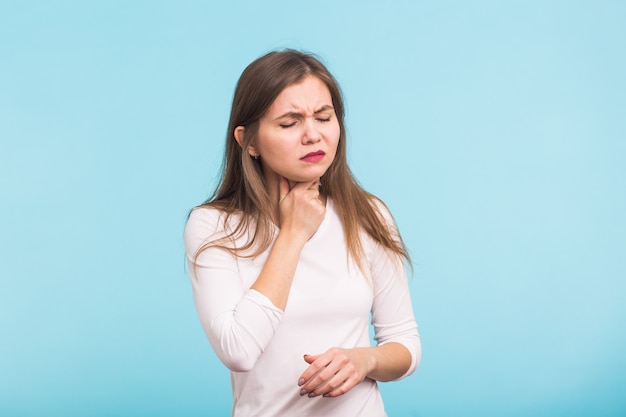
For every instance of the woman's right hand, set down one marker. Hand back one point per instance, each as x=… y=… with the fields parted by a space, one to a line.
x=300 y=214
x=300 y=209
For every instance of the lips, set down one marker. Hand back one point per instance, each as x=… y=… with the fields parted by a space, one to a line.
x=313 y=156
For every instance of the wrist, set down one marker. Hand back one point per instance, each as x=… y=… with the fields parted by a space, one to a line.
x=292 y=237
x=368 y=359
x=372 y=363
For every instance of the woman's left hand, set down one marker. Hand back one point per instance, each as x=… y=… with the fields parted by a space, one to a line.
x=336 y=371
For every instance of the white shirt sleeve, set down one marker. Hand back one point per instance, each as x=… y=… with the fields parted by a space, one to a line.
x=239 y=322
x=392 y=311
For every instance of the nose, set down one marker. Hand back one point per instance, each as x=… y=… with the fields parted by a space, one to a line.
x=311 y=133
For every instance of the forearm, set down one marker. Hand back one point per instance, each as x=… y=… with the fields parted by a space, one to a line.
x=389 y=361
x=276 y=277
x=338 y=370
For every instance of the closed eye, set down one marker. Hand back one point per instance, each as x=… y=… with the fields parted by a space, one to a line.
x=287 y=125
x=321 y=119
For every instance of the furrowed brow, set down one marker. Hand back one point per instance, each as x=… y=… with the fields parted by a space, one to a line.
x=324 y=108
x=298 y=115
x=290 y=115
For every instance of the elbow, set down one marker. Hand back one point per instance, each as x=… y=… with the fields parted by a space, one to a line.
x=237 y=353
x=239 y=337
x=238 y=363
x=413 y=347
x=416 y=355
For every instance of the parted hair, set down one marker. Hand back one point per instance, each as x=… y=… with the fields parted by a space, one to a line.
x=242 y=191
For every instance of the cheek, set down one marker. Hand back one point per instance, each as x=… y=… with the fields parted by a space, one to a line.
x=270 y=142
x=335 y=136
x=277 y=147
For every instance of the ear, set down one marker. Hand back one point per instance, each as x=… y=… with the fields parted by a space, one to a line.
x=239 y=134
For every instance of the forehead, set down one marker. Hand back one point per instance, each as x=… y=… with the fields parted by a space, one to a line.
x=308 y=95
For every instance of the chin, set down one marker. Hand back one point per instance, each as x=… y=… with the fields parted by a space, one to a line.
x=309 y=176
x=299 y=179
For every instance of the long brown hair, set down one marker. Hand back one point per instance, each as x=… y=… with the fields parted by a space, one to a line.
x=242 y=189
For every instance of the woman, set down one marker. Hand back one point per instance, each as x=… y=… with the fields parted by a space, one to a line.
x=290 y=256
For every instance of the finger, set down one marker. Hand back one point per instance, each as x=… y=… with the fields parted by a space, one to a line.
x=333 y=384
x=324 y=373
x=283 y=188
x=307 y=185
x=328 y=380
x=312 y=370
x=314 y=185
x=346 y=386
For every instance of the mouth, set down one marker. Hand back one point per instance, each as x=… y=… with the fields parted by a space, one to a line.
x=313 y=156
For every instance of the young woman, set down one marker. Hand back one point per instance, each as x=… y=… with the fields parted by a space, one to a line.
x=290 y=256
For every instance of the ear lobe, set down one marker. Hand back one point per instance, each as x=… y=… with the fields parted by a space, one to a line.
x=253 y=152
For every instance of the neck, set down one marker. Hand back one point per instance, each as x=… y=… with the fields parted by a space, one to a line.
x=273 y=191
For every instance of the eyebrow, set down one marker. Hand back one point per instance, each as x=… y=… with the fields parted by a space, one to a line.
x=296 y=114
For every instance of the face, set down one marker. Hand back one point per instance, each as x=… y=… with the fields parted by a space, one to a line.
x=298 y=135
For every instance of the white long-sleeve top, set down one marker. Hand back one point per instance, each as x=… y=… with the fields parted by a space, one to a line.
x=329 y=305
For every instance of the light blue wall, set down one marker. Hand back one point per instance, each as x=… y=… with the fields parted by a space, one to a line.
x=494 y=130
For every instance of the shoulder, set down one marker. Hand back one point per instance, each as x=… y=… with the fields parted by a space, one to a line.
x=381 y=209
x=384 y=228
x=205 y=223
x=206 y=218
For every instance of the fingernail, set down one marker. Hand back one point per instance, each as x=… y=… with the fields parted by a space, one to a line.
x=302 y=391
x=326 y=395
x=301 y=382
x=311 y=394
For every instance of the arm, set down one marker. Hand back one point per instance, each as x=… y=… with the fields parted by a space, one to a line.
x=390 y=362
x=398 y=349
x=240 y=322
x=338 y=370
x=301 y=213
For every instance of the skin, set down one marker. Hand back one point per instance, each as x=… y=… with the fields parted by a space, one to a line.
x=302 y=120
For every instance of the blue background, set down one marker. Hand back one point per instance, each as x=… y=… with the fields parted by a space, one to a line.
x=495 y=131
